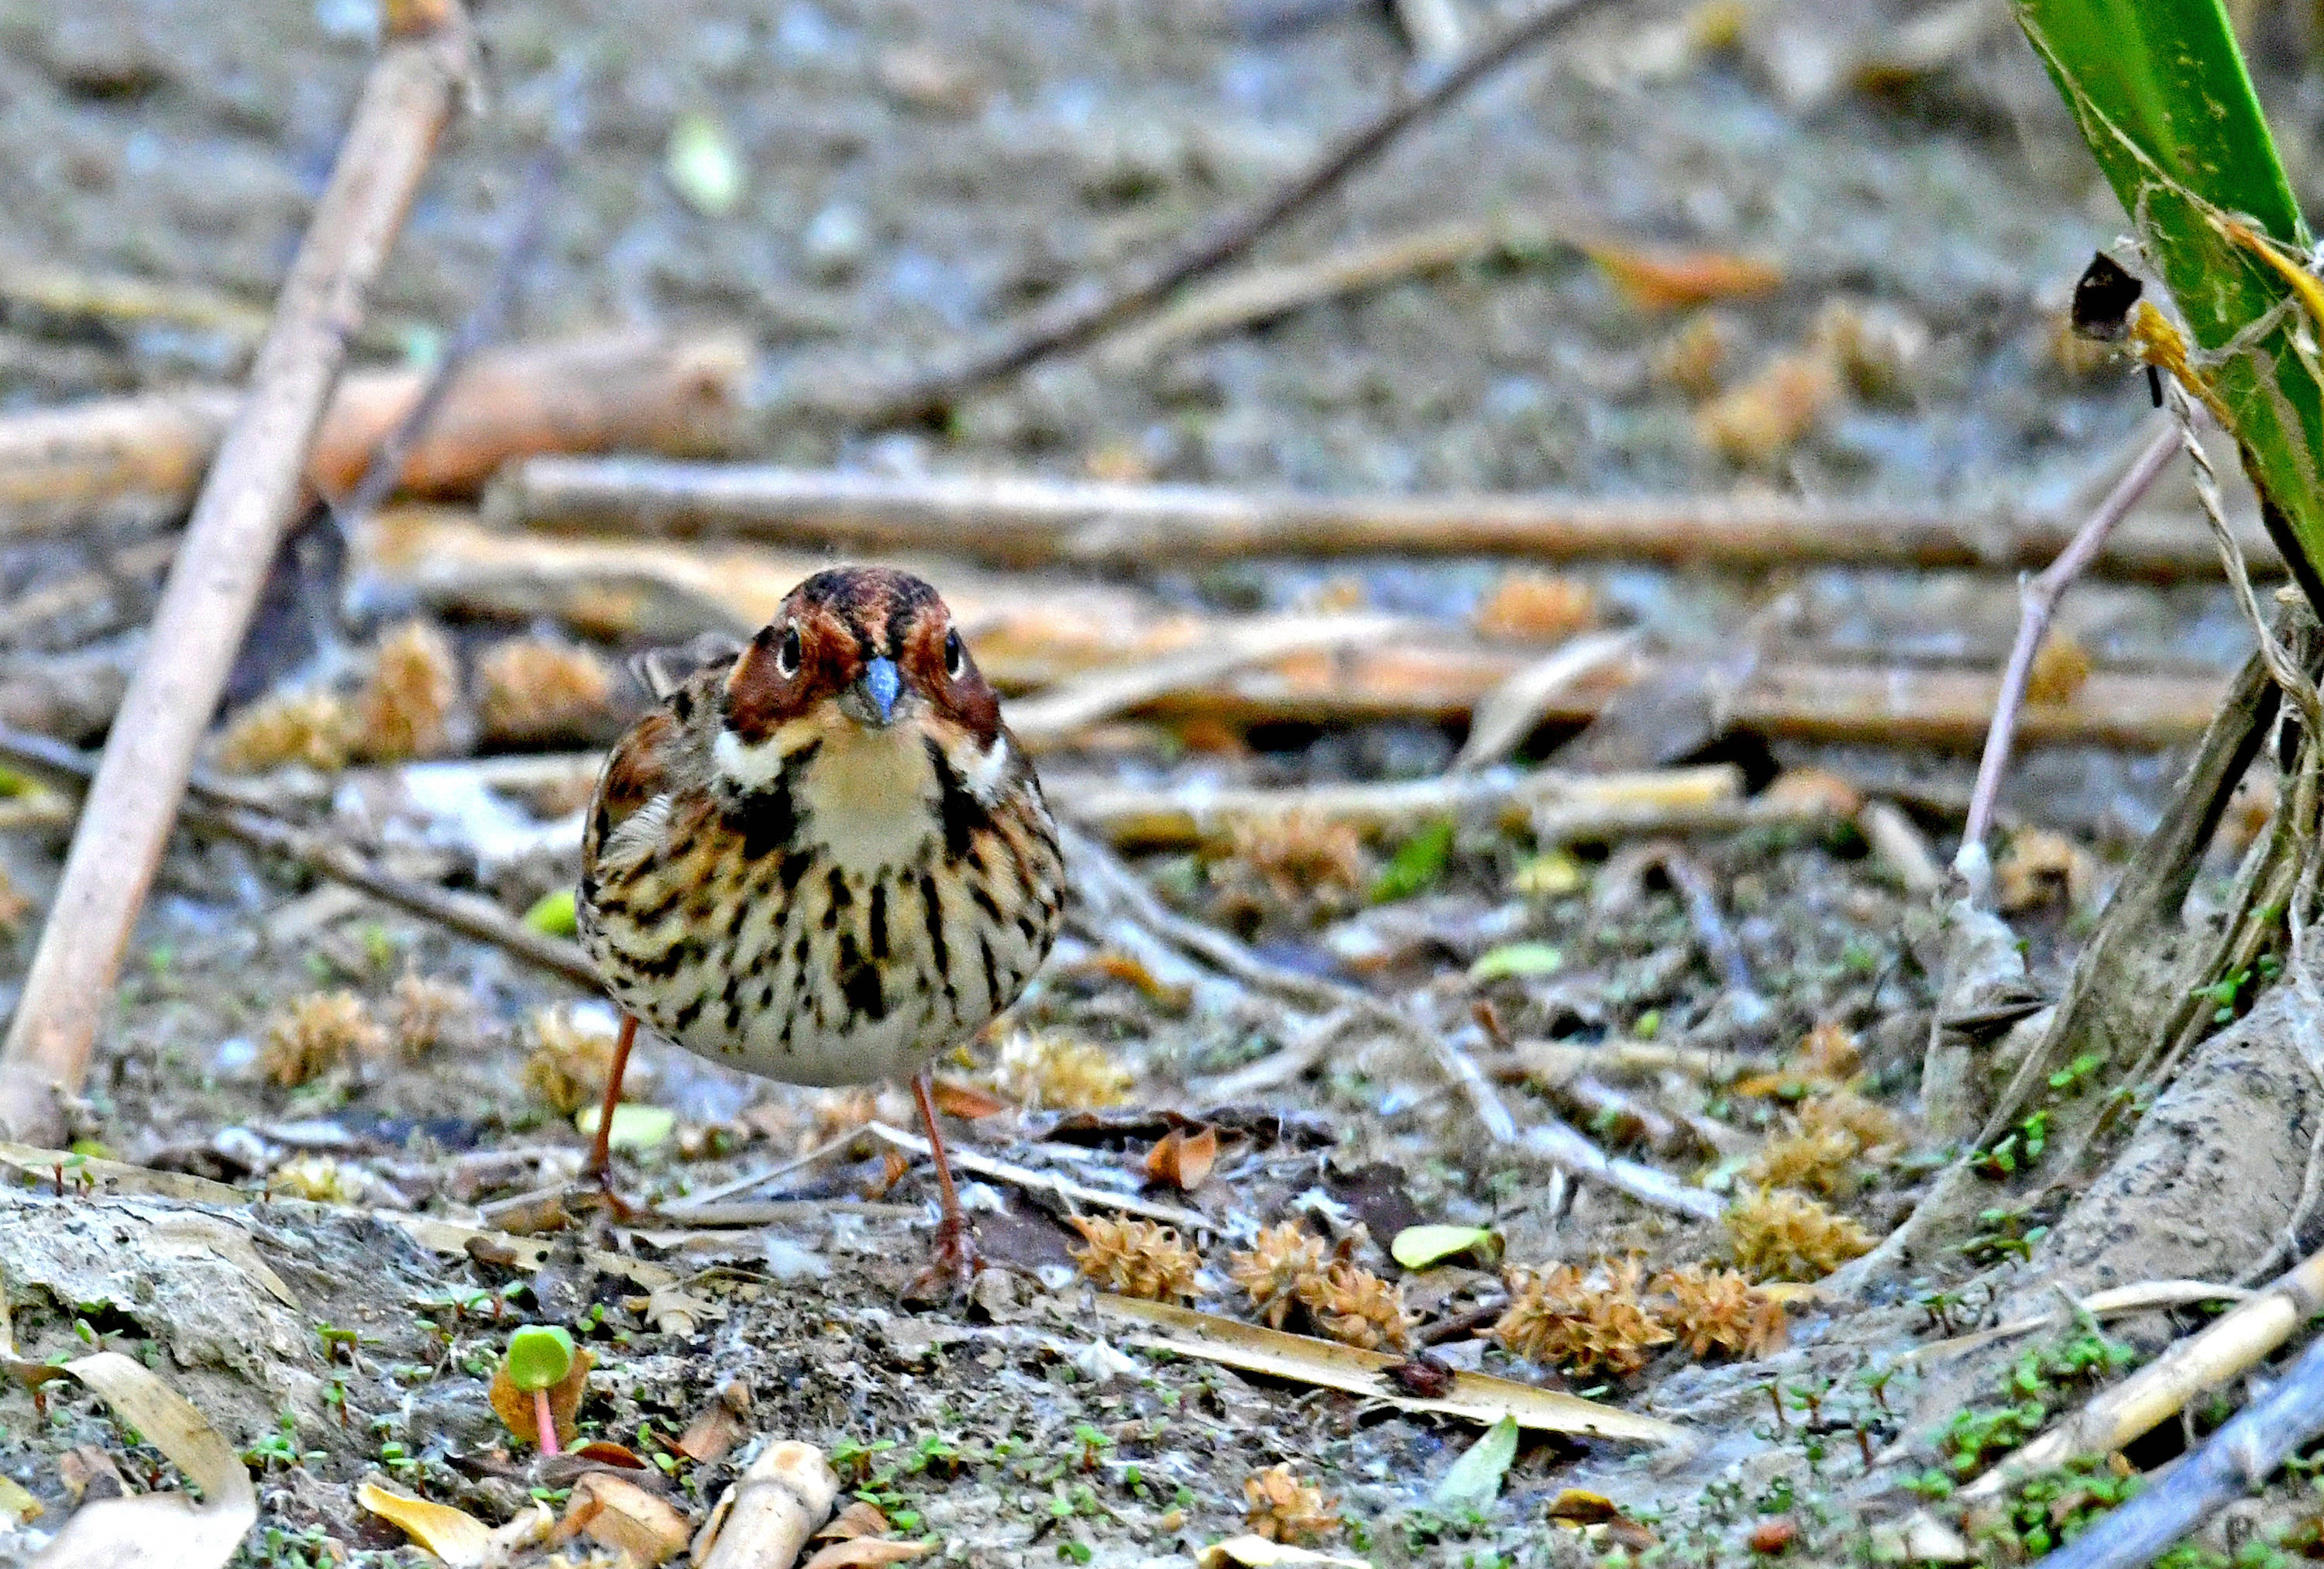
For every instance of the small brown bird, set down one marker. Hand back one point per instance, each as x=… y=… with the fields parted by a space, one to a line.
x=822 y=858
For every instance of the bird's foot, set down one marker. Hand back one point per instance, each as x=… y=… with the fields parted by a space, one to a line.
x=952 y=1264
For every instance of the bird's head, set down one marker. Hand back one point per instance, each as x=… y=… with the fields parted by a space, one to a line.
x=857 y=657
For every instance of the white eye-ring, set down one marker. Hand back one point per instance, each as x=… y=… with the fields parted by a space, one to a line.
x=955 y=655
x=787 y=654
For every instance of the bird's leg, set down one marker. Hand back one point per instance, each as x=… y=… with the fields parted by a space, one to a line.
x=956 y=1250
x=601 y=1147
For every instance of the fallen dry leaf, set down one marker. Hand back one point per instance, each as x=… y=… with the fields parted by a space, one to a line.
x=857 y=1519
x=1662 y=279
x=1256 y=1551
x=967 y=1101
x=454 y=1535
x=1183 y=1161
x=718 y=1426
x=158 y=1528
x=623 y=1516
x=866 y=1553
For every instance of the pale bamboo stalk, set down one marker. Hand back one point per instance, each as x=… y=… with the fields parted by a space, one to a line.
x=764 y=1520
x=213 y=589
x=1026 y=520
x=2229 y=1347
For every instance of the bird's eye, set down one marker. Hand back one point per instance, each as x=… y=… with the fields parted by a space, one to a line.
x=955 y=655
x=787 y=654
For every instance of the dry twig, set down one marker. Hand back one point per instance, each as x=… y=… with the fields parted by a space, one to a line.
x=2037 y=599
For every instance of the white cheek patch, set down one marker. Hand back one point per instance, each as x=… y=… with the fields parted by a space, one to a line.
x=982 y=771
x=747 y=768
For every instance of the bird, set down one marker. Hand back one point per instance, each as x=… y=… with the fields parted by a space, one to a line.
x=821 y=857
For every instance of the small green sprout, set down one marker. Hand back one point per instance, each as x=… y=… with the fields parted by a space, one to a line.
x=539 y=1358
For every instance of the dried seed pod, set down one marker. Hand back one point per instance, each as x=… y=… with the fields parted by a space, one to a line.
x=1777 y=1234
x=317 y=1033
x=1058 y=1074
x=571 y=1059
x=1134 y=1258
x=1281 y=1508
x=1355 y=1306
x=1720 y=1310
x=1528 y=607
x=405 y=708
x=1581 y=1322
x=536 y=689
x=424 y=1013
x=1274 y=1272
x=2061 y=665
x=1814 y=1161
x=315 y=728
x=1879 y=1133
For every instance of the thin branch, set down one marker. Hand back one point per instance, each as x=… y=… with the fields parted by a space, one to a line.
x=1081 y=314
x=2037 y=599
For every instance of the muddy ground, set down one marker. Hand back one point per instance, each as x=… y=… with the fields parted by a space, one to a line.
x=913 y=173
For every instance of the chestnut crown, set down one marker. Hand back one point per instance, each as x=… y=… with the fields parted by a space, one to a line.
x=878 y=642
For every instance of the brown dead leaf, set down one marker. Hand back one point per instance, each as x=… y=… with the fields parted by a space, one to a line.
x=857 y=1519
x=967 y=1101
x=623 y=1516
x=514 y=1405
x=719 y=1425
x=2061 y=665
x=605 y=1452
x=866 y=1553
x=892 y=1168
x=1183 y=1161
x=1654 y=279
x=1116 y=965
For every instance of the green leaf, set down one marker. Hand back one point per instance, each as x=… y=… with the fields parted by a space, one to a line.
x=1515 y=959
x=553 y=914
x=1417 y=865
x=635 y=1127
x=1418 y=1247
x=703 y=166
x=1474 y=1481
x=2160 y=93
x=539 y=1355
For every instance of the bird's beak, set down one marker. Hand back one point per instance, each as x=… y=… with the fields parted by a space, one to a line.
x=875 y=692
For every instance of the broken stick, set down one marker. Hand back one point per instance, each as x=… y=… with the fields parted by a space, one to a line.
x=237 y=524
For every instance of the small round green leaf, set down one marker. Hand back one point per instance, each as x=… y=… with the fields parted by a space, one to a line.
x=539 y=1355
x=703 y=166
x=635 y=1127
x=1419 y=1247
x=1517 y=959
x=552 y=913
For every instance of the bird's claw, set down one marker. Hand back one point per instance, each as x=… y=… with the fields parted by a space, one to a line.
x=951 y=1267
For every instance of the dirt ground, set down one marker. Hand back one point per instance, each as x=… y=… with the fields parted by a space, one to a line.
x=912 y=173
